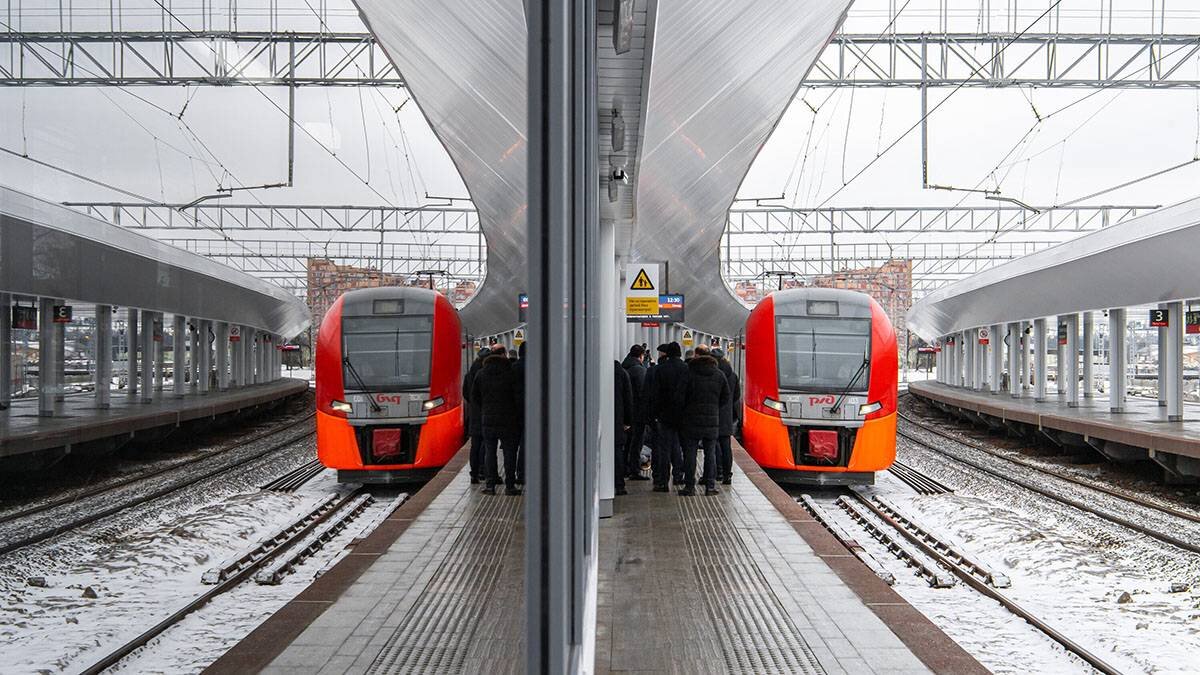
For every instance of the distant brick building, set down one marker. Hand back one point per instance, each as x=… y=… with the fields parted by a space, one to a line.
x=327 y=281
x=890 y=284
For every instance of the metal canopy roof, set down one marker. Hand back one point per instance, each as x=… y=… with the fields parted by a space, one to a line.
x=722 y=75
x=465 y=66
x=1148 y=259
x=48 y=250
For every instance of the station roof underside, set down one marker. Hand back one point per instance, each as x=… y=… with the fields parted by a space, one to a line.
x=1149 y=259
x=48 y=250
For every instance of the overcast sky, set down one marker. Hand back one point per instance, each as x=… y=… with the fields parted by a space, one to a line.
x=353 y=147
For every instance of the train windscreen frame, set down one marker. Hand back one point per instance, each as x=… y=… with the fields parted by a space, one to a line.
x=388 y=353
x=823 y=353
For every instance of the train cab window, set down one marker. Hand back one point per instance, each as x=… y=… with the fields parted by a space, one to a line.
x=388 y=353
x=822 y=354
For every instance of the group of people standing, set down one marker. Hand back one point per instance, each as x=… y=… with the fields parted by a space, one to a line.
x=676 y=407
x=494 y=389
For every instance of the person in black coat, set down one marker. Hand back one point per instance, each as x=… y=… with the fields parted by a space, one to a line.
x=498 y=389
x=670 y=385
x=633 y=440
x=475 y=417
x=731 y=415
x=622 y=417
x=519 y=367
x=707 y=392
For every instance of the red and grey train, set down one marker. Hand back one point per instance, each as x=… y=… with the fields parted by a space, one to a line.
x=389 y=372
x=820 y=387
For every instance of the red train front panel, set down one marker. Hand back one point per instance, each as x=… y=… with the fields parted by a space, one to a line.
x=820 y=387
x=389 y=375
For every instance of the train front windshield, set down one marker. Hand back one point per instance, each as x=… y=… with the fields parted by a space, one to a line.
x=387 y=353
x=823 y=354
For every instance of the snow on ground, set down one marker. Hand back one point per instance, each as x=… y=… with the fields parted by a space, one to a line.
x=1066 y=567
x=140 y=565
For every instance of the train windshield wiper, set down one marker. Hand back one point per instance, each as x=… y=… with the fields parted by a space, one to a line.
x=853 y=381
x=361 y=385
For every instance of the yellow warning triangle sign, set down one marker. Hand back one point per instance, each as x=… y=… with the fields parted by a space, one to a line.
x=642 y=282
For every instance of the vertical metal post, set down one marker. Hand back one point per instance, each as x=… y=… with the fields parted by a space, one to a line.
x=1117 y=355
x=6 y=349
x=146 y=367
x=160 y=351
x=222 y=346
x=1014 y=360
x=1025 y=343
x=1089 y=338
x=60 y=363
x=45 y=357
x=1175 y=362
x=996 y=344
x=103 y=356
x=179 y=338
x=1071 y=352
x=1039 y=359
x=131 y=353
x=1060 y=377
x=969 y=361
x=194 y=354
x=205 y=360
x=251 y=356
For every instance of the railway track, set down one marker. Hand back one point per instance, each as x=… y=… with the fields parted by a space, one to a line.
x=311 y=528
x=121 y=505
x=883 y=521
x=292 y=480
x=1043 y=490
x=918 y=481
x=108 y=487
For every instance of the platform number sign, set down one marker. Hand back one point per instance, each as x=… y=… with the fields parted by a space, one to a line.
x=24 y=318
x=984 y=336
x=1160 y=318
x=62 y=313
x=1193 y=323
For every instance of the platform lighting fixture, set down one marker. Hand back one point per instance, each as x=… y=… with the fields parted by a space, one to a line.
x=618 y=130
x=616 y=177
x=622 y=25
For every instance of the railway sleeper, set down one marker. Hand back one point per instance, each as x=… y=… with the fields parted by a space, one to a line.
x=897 y=548
x=846 y=540
x=274 y=573
x=270 y=543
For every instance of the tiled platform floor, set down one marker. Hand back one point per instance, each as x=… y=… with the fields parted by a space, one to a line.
x=22 y=431
x=1142 y=425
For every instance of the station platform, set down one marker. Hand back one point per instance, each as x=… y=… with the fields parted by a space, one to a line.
x=745 y=581
x=1140 y=432
x=24 y=436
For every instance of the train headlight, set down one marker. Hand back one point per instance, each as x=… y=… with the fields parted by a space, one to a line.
x=433 y=403
x=775 y=405
x=868 y=408
x=342 y=406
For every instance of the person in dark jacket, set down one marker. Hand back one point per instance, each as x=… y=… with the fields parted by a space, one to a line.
x=633 y=440
x=497 y=387
x=475 y=417
x=622 y=417
x=731 y=415
x=670 y=384
x=706 y=393
x=519 y=367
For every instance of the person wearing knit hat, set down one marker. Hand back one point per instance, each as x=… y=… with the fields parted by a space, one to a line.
x=670 y=385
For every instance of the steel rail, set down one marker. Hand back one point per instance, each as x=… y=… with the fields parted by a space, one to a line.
x=971 y=580
x=897 y=548
x=274 y=573
x=1057 y=474
x=292 y=480
x=242 y=573
x=101 y=489
x=142 y=499
x=846 y=540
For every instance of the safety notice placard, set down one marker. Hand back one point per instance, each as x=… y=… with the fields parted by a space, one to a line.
x=642 y=286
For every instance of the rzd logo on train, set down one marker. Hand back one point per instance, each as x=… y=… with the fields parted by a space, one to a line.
x=389 y=398
x=821 y=400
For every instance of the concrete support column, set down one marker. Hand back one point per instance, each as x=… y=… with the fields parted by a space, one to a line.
x=1174 y=343
x=969 y=360
x=251 y=355
x=1014 y=360
x=1026 y=341
x=222 y=345
x=1089 y=339
x=205 y=359
x=103 y=385
x=194 y=354
x=1163 y=373
x=45 y=357
x=996 y=345
x=1060 y=366
x=60 y=362
x=1071 y=351
x=179 y=338
x=146 y=360
x=981 y=363
x=1117 y=355
x=160 y=351
x=1039 y=359
x=5 y=350
x=131 y=353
